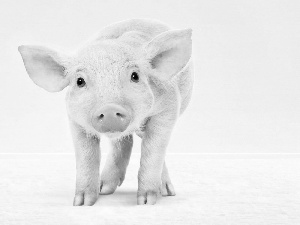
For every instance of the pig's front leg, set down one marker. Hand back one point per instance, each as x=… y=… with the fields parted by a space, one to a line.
x=114 y=170
x=154 y=144
x=87 y=167
x=167 y=188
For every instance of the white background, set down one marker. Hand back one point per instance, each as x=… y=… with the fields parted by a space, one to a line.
x=247 y=70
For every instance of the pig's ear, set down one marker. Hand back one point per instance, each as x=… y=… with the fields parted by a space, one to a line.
x=45 y=67
x=169 y=52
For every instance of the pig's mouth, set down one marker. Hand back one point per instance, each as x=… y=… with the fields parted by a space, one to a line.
x=119 y=134
x=113 y=135
x=116 y=135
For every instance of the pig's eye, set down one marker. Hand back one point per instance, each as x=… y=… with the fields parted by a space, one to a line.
x=135 y=77
x=80 y=82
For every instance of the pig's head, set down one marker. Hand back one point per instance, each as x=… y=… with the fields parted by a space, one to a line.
x=112 y=86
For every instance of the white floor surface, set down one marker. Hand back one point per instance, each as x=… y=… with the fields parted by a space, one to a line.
x=211 y=189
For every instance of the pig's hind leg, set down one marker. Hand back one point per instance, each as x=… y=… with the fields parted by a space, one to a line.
x=117 y=161
x=167 y=188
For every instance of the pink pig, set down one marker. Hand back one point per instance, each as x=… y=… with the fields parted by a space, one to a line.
x=134 y=76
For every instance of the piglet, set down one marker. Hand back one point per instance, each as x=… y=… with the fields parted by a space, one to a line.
x=134 y=76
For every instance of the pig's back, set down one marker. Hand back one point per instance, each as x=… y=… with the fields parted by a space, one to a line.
x=142 y=30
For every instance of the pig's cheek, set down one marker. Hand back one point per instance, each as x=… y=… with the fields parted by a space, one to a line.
x=80 y=114
x=79 y=107
x=143 y=105
x=139 y=99
x=147 y=98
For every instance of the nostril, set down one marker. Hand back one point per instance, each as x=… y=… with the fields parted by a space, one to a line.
x=120 y=115
x=101 y=117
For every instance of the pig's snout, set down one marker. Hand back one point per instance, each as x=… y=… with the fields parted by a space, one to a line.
x=111 y=118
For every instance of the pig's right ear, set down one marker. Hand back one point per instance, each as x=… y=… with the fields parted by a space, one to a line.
x=169 y=52
x=45 y=67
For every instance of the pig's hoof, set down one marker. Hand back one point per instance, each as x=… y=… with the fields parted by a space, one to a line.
x=167 y=189
x=147 y=198
x=86 y=199
x=108 y=187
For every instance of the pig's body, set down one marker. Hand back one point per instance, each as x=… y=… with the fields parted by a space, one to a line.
x=134 y=76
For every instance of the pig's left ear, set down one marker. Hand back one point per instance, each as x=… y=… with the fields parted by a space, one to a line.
x=45 y=67
x=169 y=52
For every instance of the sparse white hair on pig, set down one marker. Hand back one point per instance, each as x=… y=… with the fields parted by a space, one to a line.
x=133 y=76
